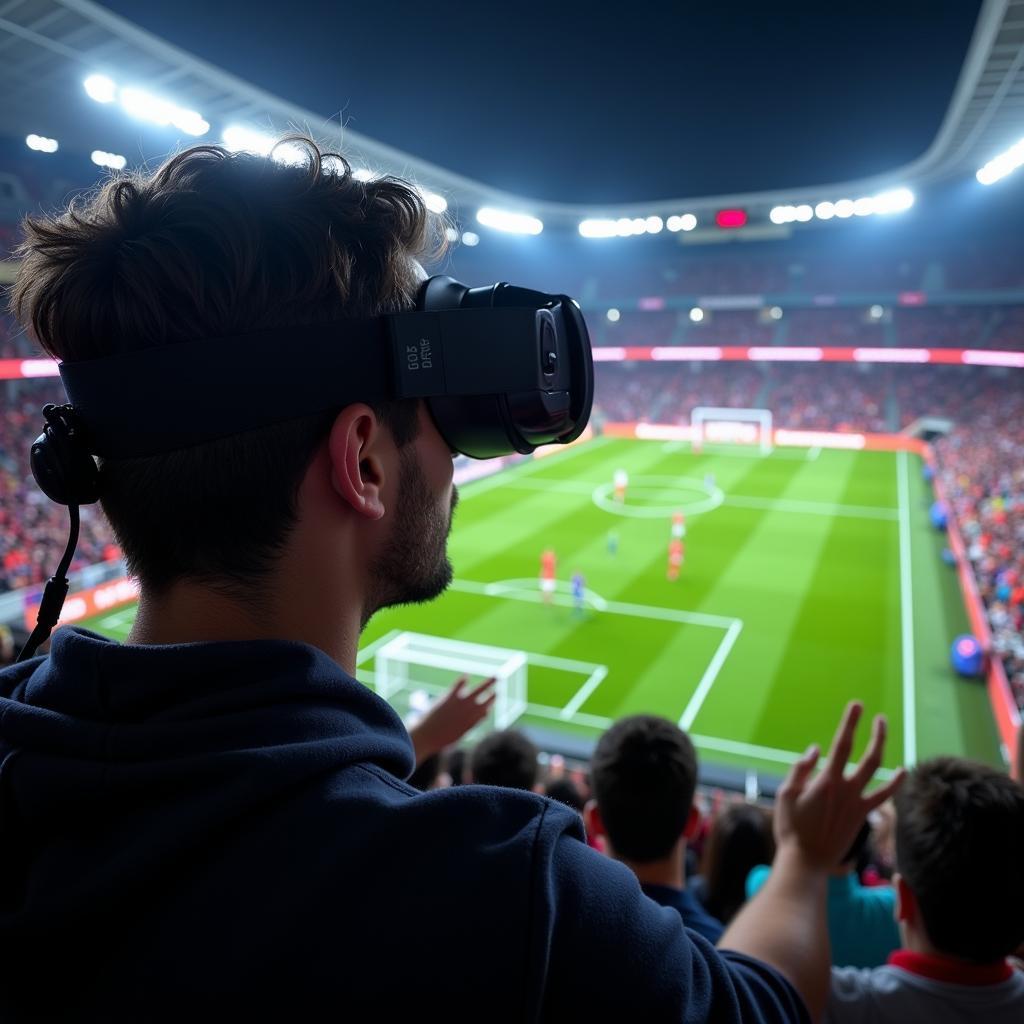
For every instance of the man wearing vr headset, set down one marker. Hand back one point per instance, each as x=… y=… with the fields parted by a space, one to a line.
x=212 y=818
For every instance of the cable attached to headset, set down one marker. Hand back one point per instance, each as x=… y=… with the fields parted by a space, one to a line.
x=54 y=593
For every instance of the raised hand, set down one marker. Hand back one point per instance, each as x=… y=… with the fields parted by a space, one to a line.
x=450 y=717
x=820 y=817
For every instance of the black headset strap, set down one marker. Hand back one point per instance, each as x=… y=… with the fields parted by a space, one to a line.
x=166 y=397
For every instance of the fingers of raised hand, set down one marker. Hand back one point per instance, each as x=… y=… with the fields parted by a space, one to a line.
x=842 y=742
x=872 y=756
x=484 y=689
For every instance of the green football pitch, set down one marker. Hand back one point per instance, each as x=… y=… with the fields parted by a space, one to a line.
x=811 y=577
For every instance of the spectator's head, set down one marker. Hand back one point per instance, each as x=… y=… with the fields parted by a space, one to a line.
x=959 y=854
x=644 y=776
x=505 y=758
x=565 y=792
x=740 y=839
x=214 y=244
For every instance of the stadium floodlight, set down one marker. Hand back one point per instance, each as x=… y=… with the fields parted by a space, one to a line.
x=864 y=207
x=673 y=223
x=624 y=227
x=688 y=221
x=803 y=213
x=434 y=202
x=41 y=144
x=238 y=138
x=452 y=234
x=775 y=312
x=896 y=200
x=114 y=161
x=147 y=107
x=598 y=228
x=639 y=225
x=614 y=315
x=470 y=238
x=100 y=88
x=505 y=220
x=654 y=225
x=844 y=208
x=781 y=214
x=1002 y=165
x=825 y=210
x=876 y=312
x=696 y=315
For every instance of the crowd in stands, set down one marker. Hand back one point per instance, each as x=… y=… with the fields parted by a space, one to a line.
x=909 y=940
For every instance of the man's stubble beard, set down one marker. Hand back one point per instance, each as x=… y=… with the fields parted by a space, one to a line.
x=414 y=566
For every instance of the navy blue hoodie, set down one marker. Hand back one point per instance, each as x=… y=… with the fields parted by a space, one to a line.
x=222 y=829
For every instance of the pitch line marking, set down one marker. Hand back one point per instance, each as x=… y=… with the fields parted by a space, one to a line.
x=532 y=595
x=580 y=697
x=906 y=614
x=117 y=620
x=710 y=675
x=564 y=486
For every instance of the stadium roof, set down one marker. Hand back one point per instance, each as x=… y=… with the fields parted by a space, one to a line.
x=48 y=47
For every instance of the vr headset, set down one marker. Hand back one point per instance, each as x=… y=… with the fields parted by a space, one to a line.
x=502 y=369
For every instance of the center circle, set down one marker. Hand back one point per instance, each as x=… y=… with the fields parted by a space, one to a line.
x=665 y=495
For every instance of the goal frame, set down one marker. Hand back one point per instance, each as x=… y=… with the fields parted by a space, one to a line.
x=704 y=414
x=392 y=663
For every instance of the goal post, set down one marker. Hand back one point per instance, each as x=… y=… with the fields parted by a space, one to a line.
x=732 y=426
x=415 y=663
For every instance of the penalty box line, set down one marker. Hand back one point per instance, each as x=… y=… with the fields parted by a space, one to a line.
x=517 y=590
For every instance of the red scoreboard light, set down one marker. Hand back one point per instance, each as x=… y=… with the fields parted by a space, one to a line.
x=731 y=218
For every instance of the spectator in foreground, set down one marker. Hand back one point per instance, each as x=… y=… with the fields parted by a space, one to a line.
x=740 y=839
x=505 y=758
x=960 y=891
x=644 y=774
x=214 y=814
x=565 y=791
x=861 y=922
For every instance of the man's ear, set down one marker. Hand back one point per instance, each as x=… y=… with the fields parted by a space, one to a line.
x=692 y=823
x=355 y=449
x=906 y=901
x=592 y=820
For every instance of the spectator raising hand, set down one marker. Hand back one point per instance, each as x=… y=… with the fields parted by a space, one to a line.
x=449 y=718
x=816 y=820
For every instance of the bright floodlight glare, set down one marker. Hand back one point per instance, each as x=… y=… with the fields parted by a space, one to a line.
x=114 y=161
x=624 y=227
x=598 y=228
x=864 y=207
x=688 y=221
x=434 y=202
x=895 y=201
x=674 y=223
x=470 y=238
x=696 y=314
x=654 y=225
x=363 y=174
x=41 y=144
x=100 y=88
x=844 y=208
x=504 y=220
x=613 y=315
x=876 y=312
x=451 y=234
x=775 y=312
x=781 y=214
x=237 y=138
x=143 y=105
x=825 y=210
x=1002 y=165
x=639 y=225
x=803 y=213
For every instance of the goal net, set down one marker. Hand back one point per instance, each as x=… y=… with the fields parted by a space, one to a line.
x=732 y=426
x=413 y=668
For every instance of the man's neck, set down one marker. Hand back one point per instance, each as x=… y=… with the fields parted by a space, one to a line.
x=668 y=872
x=192 y=613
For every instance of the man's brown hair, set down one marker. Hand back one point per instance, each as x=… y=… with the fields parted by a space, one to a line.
x=209 y=245
x=960 y=847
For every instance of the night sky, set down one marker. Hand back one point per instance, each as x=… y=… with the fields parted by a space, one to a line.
x=578 y=102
